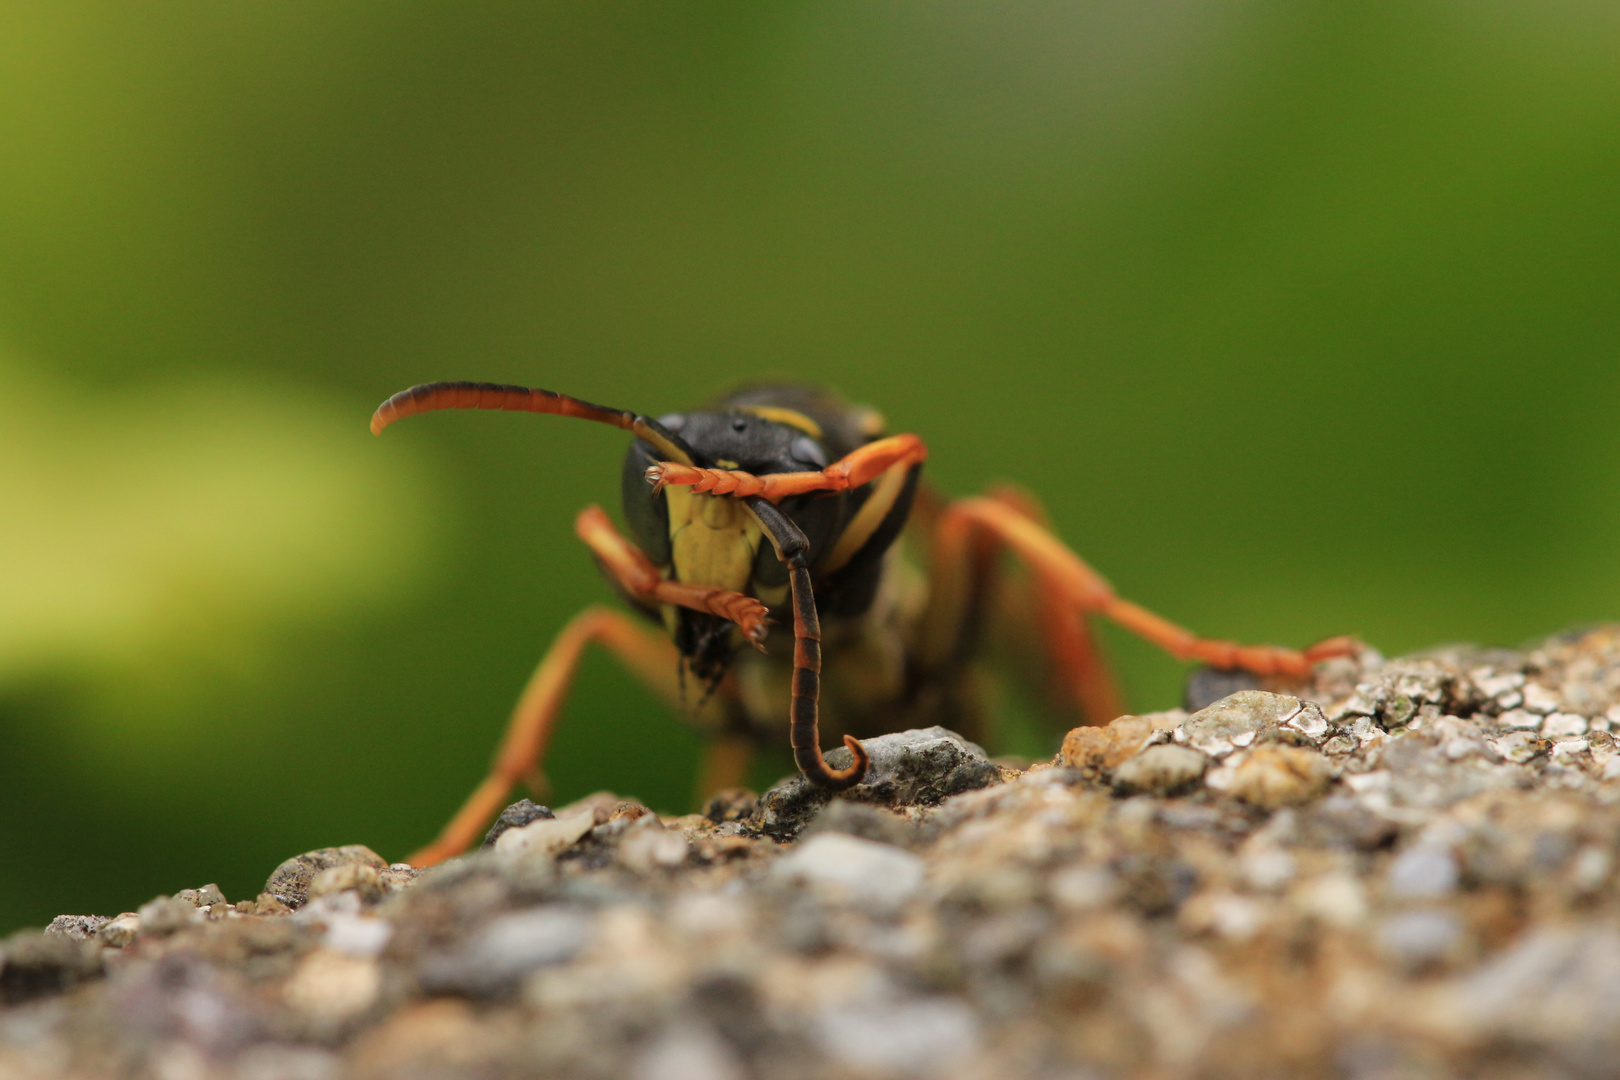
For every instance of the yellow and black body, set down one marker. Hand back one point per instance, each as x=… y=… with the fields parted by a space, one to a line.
x=781 y=505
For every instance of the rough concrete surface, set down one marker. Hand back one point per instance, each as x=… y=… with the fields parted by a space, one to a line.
x=1403 y=869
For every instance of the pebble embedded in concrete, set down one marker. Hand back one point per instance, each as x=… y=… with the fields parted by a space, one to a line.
x=544 y=837
x=864 y=873
x=1273 y=776
x=1425 y=871
x=1418 y=938
x=1161 y=770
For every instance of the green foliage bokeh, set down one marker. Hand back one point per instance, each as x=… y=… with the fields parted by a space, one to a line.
x=1301 y=317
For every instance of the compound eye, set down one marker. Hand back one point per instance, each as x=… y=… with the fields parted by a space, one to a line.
x=809 y=451
x=673 y=421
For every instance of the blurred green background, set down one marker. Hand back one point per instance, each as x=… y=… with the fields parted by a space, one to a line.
x=1302 y=318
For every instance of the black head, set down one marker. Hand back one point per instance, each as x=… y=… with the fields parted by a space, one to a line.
x=714 y=540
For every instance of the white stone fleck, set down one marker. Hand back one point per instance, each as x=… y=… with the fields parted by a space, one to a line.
x=1563 y=724
x=862 y=872
x=333 y=986
x=709 y=914
x=278 y=1061
x=1243 y=739
x=647 y=849
x=1564 y=748
x=1368 y=782
x=545 y=838
x=920 y=1037
x=1459 y=748
x=1309 y=721
x=688 y=1051
x=1336 y=898
x=1361 y=703
x=1426 y=871
x=1538 y=698
x=1592 y=865
x=357 y=935
x=518 y=943
x=1081 y=888
x=1495 y=686
x=1420 y=937
x=1373 y=736
x=1231 y=916
x=1517 y=746
x=120 y=931
x=1268 y=867
x=1520 y=718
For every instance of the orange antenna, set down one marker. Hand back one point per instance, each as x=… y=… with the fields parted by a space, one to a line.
x=431 y=397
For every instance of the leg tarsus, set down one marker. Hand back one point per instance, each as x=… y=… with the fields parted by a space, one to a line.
x=850 y=471
x=639 y=577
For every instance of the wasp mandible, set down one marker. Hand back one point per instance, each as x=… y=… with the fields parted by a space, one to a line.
x=784 y=503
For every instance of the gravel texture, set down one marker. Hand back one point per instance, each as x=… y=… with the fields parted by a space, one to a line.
x=1403 y=869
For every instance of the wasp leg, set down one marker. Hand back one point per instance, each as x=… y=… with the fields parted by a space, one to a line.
x=1076 y=657
x=850 y=471
x=962 y=580
x=1067 y=574
x=633 y=570
x=649 y=655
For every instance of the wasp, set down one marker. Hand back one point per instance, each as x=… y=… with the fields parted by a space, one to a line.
x=783 y=504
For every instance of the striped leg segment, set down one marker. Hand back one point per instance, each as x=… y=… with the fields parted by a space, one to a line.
x=640 y=577
x=850 y=471
x=792 y=549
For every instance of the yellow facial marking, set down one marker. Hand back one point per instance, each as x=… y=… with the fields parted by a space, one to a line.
x=791 y=417
x=713 y=539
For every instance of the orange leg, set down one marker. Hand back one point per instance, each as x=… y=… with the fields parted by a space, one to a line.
x=1067 y=575
x=640 y=577
x=648 y=654
x=847 y=472
x=960 y=576
x=1076 y=657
